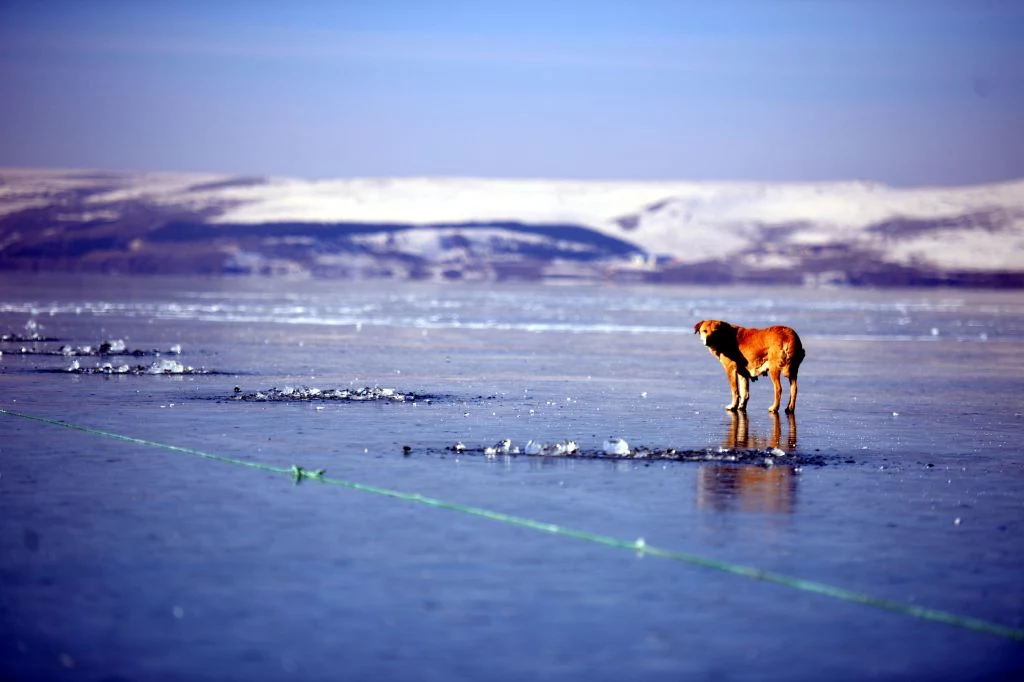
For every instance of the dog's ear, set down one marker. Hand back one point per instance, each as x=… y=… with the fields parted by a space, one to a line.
x=696 y=327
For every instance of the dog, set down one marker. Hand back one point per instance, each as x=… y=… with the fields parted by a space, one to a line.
x=747 y=354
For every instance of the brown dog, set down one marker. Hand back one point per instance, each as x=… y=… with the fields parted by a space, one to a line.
x=747 y=354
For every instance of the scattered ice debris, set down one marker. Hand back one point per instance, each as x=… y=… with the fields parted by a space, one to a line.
x=33 y=332
x=502 y=447
x=569 y=449
x=106 y=347
x=615 y=446
x=566 y=447
x=166 y=367
x=113 y=347
x=22 y=338
x=163 y=367
x=109 y=368
x=311 y=393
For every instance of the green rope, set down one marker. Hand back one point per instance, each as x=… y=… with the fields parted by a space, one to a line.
x=298 y=474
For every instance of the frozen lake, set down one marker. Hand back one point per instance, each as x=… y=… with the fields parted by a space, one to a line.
x=128 y=561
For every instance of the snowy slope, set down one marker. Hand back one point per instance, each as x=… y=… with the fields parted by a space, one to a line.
x=972 y=227
x=759 y=225
x=692 y=220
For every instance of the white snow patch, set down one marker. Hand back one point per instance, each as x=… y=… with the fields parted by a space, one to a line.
x=691 y=221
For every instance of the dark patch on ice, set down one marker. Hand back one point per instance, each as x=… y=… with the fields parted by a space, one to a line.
x=312 y=394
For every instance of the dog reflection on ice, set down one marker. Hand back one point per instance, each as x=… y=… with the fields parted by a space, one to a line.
x=768 y=490
x=738 y=436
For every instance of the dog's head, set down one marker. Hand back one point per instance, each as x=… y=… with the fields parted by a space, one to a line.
x=712 y=332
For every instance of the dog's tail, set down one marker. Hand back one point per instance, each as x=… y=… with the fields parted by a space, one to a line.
x=796 y=354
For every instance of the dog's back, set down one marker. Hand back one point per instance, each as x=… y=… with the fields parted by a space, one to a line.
x=777 y=346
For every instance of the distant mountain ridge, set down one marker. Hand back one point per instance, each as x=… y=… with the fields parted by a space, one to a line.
x=479 y=229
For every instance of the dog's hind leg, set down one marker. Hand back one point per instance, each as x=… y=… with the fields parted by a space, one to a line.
x=792 y=372
x=791 y=408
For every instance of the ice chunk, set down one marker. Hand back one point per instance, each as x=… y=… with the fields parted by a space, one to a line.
x=166 y=367
x=502 y=447
x=616 y=446
x=112 y=346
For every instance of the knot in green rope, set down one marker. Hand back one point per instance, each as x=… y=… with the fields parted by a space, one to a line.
x=298 y=473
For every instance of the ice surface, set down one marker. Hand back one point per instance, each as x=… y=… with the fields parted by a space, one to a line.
x=197 y=551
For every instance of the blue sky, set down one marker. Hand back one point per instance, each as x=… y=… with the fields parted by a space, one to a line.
x=906 y=92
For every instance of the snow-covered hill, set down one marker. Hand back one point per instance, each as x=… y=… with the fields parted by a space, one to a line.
x=429 y=227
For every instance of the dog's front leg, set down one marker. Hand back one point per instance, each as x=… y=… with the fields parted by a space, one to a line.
x=743 y=383
x=734 y=377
